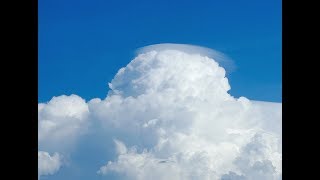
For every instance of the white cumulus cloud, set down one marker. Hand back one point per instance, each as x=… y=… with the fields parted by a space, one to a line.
x=171 y=117
x=177 y=102
x=63 y=116
x=61 y=121
x=48 y=164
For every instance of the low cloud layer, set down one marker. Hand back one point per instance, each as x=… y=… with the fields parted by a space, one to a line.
x=170 y=116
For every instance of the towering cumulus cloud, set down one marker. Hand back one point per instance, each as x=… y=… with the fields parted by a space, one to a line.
x=170 y=116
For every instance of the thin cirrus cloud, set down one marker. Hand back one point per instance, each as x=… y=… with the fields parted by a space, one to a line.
x=170 y=116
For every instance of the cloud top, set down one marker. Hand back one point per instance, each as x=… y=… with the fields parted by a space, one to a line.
x=221 y=58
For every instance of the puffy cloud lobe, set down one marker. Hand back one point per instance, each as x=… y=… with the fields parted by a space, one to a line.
x=61 y=117
x=60 y=122
x=142 y=166
x=174 y=72
x=258 y=160
x=47 y=164
x=173 y=118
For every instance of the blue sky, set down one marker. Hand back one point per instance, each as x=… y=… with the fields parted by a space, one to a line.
x=83 y=43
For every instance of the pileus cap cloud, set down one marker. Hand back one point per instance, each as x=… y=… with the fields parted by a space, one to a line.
x=219 y=57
